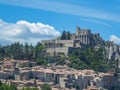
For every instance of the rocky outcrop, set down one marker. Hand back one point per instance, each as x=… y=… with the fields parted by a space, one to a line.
x=83 y=38
x=112 y=51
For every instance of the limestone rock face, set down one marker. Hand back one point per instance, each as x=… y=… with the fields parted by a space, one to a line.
x=83 y=38
x=88 y=39
x=112 y=51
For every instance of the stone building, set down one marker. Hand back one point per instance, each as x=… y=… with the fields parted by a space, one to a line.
x=81 y=39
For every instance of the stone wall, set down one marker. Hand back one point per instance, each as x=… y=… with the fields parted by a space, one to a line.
x=52 y=51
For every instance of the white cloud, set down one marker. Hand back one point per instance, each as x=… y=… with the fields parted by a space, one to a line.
x=23 y=31
x=115 y=39
x=96 y=22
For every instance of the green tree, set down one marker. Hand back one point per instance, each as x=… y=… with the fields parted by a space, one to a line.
x=8 y=87
x=41 y=62
x=63 y=36
x=68 y=35
x=89 y=58
x=46 y=87
x=0 y=83
x=26 y=51
x=39 y=51
x=2 y=53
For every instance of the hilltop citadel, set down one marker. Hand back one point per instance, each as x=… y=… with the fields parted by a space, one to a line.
x=83 y=38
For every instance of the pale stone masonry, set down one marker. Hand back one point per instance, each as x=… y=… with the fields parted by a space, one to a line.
x=81 y=39
x=59 y=77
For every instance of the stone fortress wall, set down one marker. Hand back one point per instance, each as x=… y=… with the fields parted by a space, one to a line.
x=82 y=38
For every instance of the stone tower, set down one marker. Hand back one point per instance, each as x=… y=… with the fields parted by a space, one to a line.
x=83 y=35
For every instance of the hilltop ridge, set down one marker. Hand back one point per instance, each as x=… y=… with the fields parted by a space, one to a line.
x=82 y=38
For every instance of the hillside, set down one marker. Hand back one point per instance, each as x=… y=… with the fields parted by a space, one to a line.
x=80 y=50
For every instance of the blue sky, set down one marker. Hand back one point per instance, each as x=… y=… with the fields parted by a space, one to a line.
x=34 y=20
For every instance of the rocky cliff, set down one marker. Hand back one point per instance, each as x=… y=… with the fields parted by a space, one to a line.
x=112 y=51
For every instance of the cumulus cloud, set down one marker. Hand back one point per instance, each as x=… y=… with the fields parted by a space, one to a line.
x=115 y=39
x=23 y=31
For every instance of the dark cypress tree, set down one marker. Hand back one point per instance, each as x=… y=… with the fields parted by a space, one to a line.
x=68 y=35
x=63 y=37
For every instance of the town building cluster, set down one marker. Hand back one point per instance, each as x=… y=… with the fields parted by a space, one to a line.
x=26 y=73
